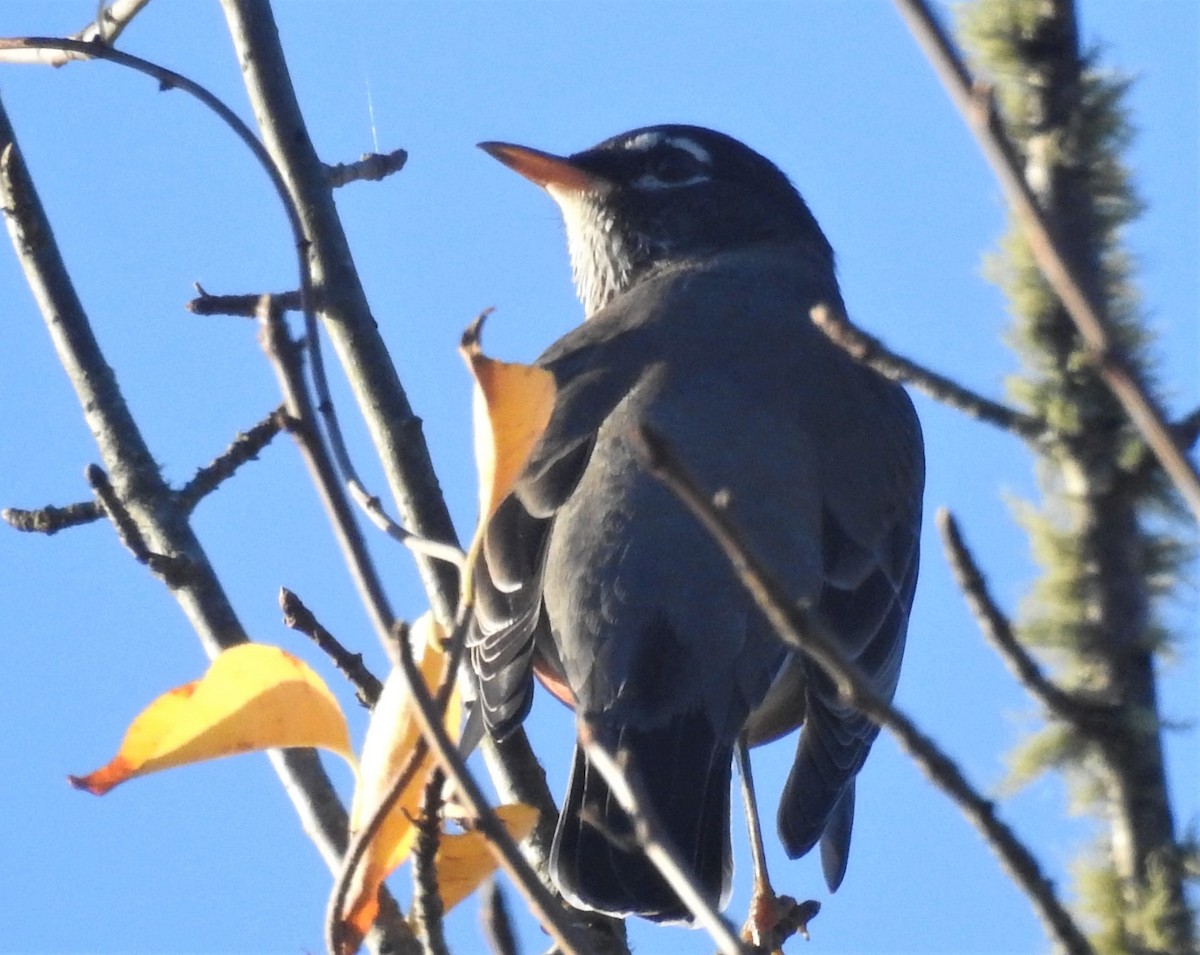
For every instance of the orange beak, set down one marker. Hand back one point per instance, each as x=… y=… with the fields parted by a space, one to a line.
x=552 y=173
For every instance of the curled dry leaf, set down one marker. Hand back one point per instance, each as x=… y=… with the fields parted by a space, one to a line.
x=253 y=697
x=464 y=860
x=390 y=743
x=512 y=407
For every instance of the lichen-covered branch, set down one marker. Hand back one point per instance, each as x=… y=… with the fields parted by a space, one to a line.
x=1073 y=282
x=1056 y=131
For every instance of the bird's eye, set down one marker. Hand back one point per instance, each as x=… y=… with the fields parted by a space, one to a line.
x=672 y=167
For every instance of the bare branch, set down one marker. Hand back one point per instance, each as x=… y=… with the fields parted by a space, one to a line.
x=372 y=167
x=625 y=785
x=105 y=29
x=240 y=306
x=544 y=906
x=244 y=448
x=977 y=107
x=428 y=912
x=286 y=358
x=174 y=569
x=361 y=840
x=497 y=927
x=299 y=618
x=139 y=488
x=51 y=519
x=394 y=429
x=872 y=352
x=327 y=262
x=804 y=632
x=1091 y=717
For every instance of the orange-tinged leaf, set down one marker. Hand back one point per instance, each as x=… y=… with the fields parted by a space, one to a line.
x=391 y=739
x=463 y=860
x=253 y=697
x=512 y=407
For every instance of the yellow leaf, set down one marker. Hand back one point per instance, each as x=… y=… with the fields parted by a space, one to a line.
x=463 y=861
x=252 y=697
x=512 y=407
x=391 y=740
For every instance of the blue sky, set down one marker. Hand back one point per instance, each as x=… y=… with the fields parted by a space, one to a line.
x=149 y=194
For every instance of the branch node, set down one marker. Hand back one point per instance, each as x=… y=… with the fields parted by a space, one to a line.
x=240 y=306
x=370 y=167
x=51 y=519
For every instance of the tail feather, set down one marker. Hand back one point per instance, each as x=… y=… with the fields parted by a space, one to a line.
x=817 y=806
x=685 y=774
x=835 y=842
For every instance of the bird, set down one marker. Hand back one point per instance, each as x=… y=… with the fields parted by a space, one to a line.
x=697 y=263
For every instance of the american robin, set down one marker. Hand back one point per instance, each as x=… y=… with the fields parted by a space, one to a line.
x=698 y=264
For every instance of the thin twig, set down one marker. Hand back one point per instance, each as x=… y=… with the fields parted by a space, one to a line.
x=372 y=167
x=871 y=351
x=544 y=906
x=286 y=358
x=1112 y=364
x=497 y=927
x=625 y=784
x=52 y=519
x=1092 y=717
x=428 y=912
x=360 y=841
x=299 y=618
x=805 y=633
x=172 y=568
x=244 y=448
x=239 y=306
x=108 y=25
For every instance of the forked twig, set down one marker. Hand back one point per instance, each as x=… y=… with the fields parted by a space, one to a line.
x=544 y=906
x=143 y=494
x=108 y=25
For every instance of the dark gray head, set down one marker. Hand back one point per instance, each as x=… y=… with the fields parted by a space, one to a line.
x=660 y=194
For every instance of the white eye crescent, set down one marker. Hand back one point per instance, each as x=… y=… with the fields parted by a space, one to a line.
x=674 y=163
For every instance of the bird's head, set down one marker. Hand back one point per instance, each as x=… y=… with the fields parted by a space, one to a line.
x=660 y=194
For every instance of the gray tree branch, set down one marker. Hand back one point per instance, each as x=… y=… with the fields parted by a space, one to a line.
x=150 y=503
